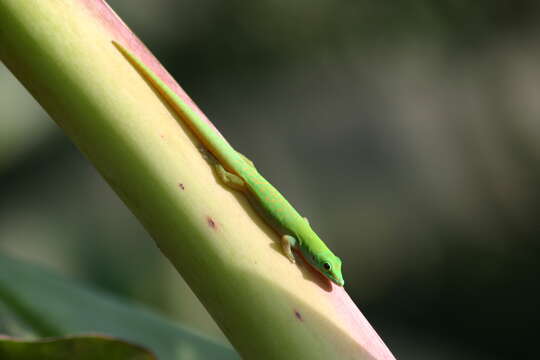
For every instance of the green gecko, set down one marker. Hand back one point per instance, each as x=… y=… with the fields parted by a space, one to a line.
x=239 y=173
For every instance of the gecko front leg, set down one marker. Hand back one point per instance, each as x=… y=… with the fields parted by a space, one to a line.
x=287 y=242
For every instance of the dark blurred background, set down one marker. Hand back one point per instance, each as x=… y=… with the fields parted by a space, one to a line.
x=407 y=131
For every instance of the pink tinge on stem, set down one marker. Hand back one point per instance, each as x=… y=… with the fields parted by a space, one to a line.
x=358 y=326
x=120 y=32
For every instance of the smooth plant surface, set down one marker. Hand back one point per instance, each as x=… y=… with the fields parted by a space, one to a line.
x=62 y=52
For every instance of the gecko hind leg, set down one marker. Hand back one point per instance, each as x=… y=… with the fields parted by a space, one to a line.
x=232 y=180
x=287 y=242
x=246 y=159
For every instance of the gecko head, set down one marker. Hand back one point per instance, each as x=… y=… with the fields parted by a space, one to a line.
x=330 y=266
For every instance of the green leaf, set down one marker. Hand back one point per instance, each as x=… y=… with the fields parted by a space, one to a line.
x=93 y=347
x=53 y=306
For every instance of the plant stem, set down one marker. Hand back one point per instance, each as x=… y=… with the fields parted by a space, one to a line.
x=61 y=51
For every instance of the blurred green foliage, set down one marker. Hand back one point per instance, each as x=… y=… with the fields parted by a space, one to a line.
x=406 y=131
x=37 y=303
x=80 y=348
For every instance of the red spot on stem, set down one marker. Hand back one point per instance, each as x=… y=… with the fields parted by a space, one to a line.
x=211 y=222
x=181 y=186
x=298 y=315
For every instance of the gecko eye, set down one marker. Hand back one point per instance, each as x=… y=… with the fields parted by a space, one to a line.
x=327 y=266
